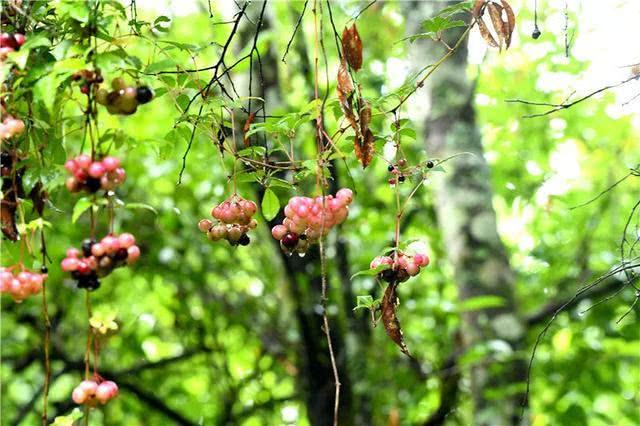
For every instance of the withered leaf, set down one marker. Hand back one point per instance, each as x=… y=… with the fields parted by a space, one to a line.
x=495 y=12
x=478 y=9
x=345 y=90
x=510 y=24
x=486 y=35
x=8 y=219
x=365 y=147
x=352 y=47
x=390 y=319
x=345 y=85
x=247 y=126
x=365 y=115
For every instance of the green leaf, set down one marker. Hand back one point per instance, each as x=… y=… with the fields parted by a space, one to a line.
x=163 y=65
x=270 y=204
x=480 y=302
x=371 y=272
x=82 y=205
x=142 y=206
x=69 y=419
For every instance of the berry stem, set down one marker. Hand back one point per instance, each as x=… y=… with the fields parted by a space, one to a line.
x=319 y=182
x=87 y=351
x=47 y=334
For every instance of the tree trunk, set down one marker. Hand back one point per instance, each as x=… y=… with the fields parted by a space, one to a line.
x=468 y=224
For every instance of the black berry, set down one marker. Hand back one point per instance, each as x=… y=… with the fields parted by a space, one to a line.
x=121 y=254
x=93 y=184
x=430 y=164
x=401 y=179
x=536 y=33
x=244 y=240
x=390 y=168
x=86 y=247
x=143 y=94
x=43 y=269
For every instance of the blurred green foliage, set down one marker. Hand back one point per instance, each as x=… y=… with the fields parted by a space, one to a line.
x=205 y=328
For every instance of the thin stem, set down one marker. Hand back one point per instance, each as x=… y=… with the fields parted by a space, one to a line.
x=47 y=335
x=319 y=181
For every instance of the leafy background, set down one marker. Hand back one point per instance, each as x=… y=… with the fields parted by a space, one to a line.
x=210 y=332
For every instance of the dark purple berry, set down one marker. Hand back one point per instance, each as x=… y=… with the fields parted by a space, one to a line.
x=430 y=164
x=92 y=184
x=244 y=240
x=536 y=33
x=86 y=247
x=143 y=94
x=290 y=240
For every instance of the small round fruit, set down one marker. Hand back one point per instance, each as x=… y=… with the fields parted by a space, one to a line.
x=144 y=94
x=244 y=240
x=19 y=38
x=290 y=240
x=110 y=163
x=536 y=33
x=118 y=83
x=204 y=225
x=96 y=170
x=101 y=96
x=430 y=164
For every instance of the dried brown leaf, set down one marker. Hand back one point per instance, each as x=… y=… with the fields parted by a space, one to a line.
x=8 y=219
x=247 y=126
x=365 y=147
x=495 y=12
x=486 y=34
x=345 y=90
x=390 y=319
x=510 y=24
x=478 y=9
x=352 y=47
x=365 y=115
x=345 y=85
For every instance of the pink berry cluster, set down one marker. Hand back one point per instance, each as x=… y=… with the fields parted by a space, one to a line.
x=307 y=219
x=402 y=268
x=234 y=220
x=10 y=43
x=98 y=259
x=21 y=285
x=91 y=175
x=90 y=392
x=11 y=127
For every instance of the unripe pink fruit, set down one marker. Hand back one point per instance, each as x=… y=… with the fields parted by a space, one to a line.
x=19 y=38
x=69 y=264
x=79 y=396
x=83 y=161
x=421 y=259
x=88 y=386
x=96 y=170
x=133 y=253
x=106 y=391
x=126 y=240
x=279 y=231
x=204 y=225
x=110 y=163
x=345 y=194
x=98 y=249
x=71 y=166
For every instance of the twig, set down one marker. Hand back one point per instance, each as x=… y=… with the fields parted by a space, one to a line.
x=565 y=105
x=295 y=30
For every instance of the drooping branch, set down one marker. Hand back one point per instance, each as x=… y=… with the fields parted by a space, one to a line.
x=553 y=108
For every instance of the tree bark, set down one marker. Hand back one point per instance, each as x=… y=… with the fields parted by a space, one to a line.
x=463 y=200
